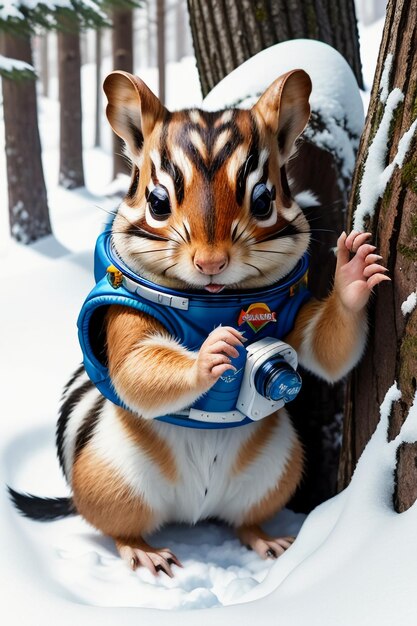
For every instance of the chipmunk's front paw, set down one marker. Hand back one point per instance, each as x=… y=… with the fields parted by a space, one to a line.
x=214 y=357
x=357 y=276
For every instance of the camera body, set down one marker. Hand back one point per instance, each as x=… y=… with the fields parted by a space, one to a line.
x=270 y=379
x=265 y=379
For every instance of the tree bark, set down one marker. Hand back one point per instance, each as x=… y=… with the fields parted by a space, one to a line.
x=71 y=171
x=122 y=60
x=225 y=34
x=28 y=205
x=392 y=346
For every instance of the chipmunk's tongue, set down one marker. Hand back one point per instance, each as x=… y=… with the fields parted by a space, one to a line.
x=213 y=288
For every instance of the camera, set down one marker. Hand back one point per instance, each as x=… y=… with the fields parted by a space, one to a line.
x=270 y=379
x=264 y=379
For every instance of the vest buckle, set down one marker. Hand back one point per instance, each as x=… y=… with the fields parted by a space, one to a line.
x=114 y=276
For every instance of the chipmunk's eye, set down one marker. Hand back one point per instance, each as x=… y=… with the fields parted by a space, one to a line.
x=261 y=201
x=159 y=204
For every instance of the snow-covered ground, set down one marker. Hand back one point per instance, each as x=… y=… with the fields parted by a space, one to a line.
x=354 y=559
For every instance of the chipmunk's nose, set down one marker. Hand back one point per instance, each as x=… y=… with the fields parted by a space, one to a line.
x=210 y=262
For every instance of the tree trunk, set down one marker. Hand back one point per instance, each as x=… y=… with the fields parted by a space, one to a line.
x=28 y=205
x=226 y=34
x=97 y=131
x=160 y=27
x=122 y=60
x=71 y=171
x=392 y=346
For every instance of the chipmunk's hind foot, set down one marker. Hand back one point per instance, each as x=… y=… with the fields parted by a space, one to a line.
x=267 y=547
x=141 y=554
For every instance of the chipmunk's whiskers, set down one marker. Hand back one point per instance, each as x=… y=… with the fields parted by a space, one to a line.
x=178 y=233
x=168 y=268
x=256 y=268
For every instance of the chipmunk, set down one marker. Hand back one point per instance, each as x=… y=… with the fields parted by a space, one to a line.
x=208 y=219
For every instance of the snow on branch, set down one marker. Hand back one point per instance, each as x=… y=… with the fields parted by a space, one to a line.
x=24 y=15
x=376 y=175
x=12 y=68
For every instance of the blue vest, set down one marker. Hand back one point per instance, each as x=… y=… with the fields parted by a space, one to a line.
x=187 y=316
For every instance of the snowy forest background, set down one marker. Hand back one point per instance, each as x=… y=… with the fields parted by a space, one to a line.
x=353 y=546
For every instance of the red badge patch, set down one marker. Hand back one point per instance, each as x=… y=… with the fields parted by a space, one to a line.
x=257 y=316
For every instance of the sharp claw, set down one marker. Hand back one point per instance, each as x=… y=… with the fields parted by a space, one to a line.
x=133 y=563
x=271 y=552
x=161 y=568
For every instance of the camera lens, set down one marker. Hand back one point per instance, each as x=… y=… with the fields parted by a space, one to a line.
x=277 y=380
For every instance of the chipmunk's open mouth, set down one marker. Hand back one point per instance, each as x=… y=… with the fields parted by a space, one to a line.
x=214 y=288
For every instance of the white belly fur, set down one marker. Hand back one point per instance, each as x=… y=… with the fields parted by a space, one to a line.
x=204 y=458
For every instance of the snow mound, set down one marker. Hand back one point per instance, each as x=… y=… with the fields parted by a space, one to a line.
x=354 y=546
x=337 y=111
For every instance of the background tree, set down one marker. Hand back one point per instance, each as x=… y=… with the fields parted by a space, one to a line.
x=225 y=34
x=389 y=146
x=71 y=170
x=122 y=45
x=28 y=205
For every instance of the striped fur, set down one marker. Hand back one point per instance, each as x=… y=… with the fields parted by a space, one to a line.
x=209 y=163
x=188 y=221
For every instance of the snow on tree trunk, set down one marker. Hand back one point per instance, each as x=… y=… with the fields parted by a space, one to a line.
x=28 y=205
x=384 y=200
x=225 y=34
x=71 y=171
x=122 y=39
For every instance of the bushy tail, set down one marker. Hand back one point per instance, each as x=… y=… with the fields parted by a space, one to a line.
x=42 y=509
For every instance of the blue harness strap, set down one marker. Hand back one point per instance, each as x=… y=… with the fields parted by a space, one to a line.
x=187 y=316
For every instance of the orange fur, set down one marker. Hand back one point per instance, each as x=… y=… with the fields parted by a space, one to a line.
x=334 y=335
x=135 y=366
x=102 y=497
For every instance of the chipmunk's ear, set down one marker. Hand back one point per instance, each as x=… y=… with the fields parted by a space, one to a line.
x=285 y=109
x=132 y=110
